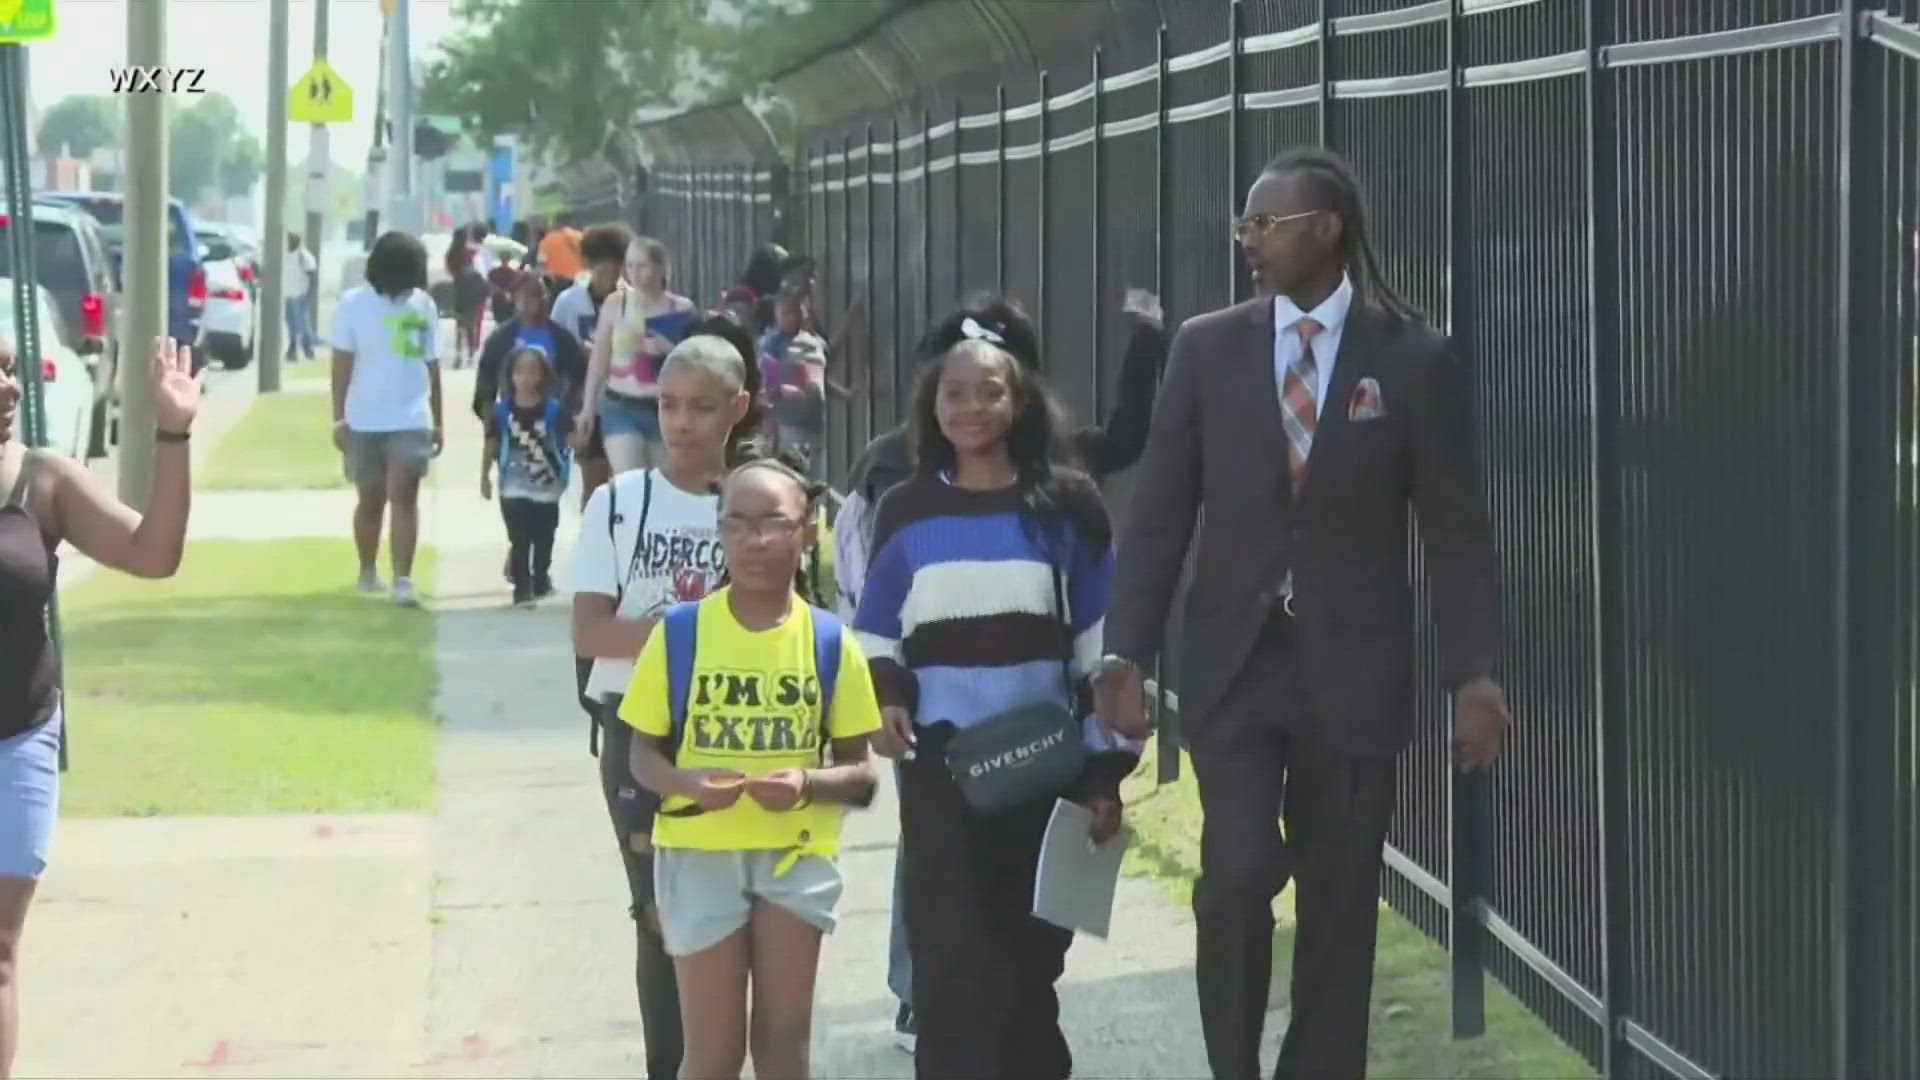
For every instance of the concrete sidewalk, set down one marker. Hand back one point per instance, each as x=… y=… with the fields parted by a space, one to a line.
x=489 y=941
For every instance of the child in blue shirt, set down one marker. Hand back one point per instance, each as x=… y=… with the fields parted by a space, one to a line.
x=527 y=447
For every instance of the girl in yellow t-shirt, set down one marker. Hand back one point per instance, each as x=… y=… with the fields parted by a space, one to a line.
x=751 y=723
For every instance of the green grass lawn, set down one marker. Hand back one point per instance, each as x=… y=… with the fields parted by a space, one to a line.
x=285 y=441
x=252 y=682
x=1411 y=1007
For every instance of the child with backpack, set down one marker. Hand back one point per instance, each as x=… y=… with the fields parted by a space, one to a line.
x=751 y=713
x=526 y=445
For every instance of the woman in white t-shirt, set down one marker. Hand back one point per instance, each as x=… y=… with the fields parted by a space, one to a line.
x=636 y=329
x=650 y=538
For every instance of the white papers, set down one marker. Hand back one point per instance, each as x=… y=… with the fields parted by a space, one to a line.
x=1074 y=886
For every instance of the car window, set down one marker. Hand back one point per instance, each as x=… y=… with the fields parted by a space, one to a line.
x=58 y=260
x=110 y=212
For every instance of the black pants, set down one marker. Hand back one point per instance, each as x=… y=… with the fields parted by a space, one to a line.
x=1260 y=760
x=985 y=968
x=530 y=528
x=653 y=969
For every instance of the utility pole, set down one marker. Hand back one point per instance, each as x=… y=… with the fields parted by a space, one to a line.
x=143 y=270
x=319 y=158
x=401 y=213
x=273 y=323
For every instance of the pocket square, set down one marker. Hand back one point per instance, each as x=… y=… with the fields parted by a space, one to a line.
x=1366 y=403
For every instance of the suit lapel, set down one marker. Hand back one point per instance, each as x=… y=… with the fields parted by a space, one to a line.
x=1259 y=389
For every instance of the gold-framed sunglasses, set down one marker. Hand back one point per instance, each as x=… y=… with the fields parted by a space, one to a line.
x=1263 y=224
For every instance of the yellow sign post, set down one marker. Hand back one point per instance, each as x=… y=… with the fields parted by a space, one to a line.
x=320 y=97
x=25 y=20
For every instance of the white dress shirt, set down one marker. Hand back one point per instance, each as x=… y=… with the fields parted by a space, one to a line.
x=1332 y=317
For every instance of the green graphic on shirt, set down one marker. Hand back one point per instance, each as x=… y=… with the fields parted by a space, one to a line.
x=409 y=330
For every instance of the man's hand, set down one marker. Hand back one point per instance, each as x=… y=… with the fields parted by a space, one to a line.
x=439 y=439
x=640 y=843
x=486 y=483
x=1480 y=719
x=1107 y=817
x=1120 y=698
x=895 y=738
x=780 y=790
x=582 y=431
x=714 y=789
x=340 y=433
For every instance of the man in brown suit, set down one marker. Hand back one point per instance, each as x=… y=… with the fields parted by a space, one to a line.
x=1298 y=429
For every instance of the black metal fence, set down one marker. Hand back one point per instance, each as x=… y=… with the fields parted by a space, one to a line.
x=1678 y=242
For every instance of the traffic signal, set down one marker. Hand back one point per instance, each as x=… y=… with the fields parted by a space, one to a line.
x=430 y=142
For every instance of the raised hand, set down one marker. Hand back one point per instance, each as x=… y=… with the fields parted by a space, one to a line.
x=176 y=392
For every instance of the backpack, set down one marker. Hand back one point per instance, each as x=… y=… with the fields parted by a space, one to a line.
x=681 y=624
x=557 y=449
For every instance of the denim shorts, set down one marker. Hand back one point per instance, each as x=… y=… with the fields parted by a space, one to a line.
x=623 y=414
x=29 y=797
x=374 y=456
x=703 y=896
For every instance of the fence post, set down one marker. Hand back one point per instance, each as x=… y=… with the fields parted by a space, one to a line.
x=866 y=309
x=1603 y=352
x=1099 y=201
x=1000 y=187
x=865 y=351
x=1040 y=218
x=1324 y=51
x=926 y=231
x=893 y=235
x=1468 y=834
x=959 y=214
x=1236 y=30
x=1167 y=731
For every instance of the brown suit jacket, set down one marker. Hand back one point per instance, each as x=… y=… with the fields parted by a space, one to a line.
x=1215 y=477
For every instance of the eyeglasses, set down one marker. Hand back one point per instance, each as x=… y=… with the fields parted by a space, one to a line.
x=1262 y=224
x=769 y=528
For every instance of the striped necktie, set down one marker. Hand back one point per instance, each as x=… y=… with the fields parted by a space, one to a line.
x=1299 y=410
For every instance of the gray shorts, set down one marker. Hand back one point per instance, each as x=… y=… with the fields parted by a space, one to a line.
x=703 y=896
x=373 y=456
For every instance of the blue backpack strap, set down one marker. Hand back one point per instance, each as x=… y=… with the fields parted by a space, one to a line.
x=682 y=625
x=827 y=631
x=557 y=445
x=503 y=428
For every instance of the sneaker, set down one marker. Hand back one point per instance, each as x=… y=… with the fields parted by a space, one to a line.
x=404 y=593
x=542 y=586
x=906 y=1033
x=523 y=596
x=370 y=581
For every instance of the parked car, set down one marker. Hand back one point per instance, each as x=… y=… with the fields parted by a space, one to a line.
x=246 y=251
x=72 y=262
x=226 y=322
x=186 y=275
x=66 y=383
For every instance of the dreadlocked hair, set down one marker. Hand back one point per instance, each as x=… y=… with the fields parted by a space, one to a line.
x=806 y=578
x=1336 y=187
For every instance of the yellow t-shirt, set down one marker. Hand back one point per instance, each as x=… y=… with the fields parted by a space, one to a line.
x=753 y=706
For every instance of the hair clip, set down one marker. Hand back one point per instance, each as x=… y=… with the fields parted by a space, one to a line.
x=976 y=332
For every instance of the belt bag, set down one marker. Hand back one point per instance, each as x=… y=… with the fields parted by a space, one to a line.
x=1026 y=753
x=1017 y=756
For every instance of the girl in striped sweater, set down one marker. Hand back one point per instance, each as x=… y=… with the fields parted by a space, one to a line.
x=984 y=601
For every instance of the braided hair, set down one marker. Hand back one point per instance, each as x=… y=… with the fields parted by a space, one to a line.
x=807 y=576
x=1336 y=187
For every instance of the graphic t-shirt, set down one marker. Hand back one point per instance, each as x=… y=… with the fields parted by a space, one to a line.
x=539 y=337
x=535 y=457
x=576 y=310
x=753 y=706
x=392 y=342
x=678 y=557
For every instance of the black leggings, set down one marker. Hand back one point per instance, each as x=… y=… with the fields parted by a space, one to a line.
x=653 y=968
x=530 y=528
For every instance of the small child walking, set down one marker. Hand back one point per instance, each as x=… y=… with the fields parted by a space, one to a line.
x=527 y=446
x=751 y=713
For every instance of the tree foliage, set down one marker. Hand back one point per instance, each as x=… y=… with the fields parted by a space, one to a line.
x=567 y=74
x=209 y=148
x=79 y=124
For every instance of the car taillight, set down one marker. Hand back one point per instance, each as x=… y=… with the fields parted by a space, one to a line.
x=229 y=294
x=5 y=221
x=47 y=371
x=93 y=316
x=197 y=286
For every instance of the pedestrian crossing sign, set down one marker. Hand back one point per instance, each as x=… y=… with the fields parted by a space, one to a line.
x=25 y=20
x=320 y=97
